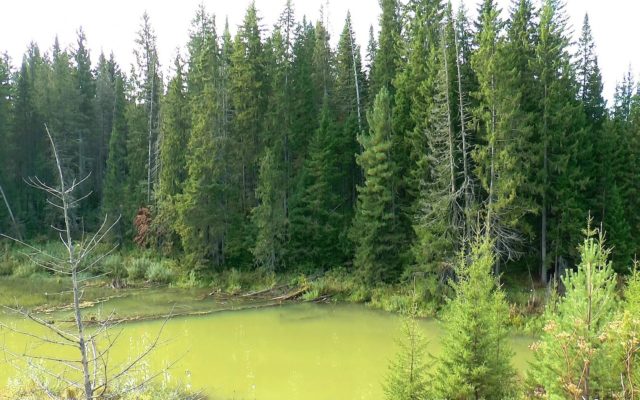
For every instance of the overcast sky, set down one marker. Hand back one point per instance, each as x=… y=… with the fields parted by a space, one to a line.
x=111 y=25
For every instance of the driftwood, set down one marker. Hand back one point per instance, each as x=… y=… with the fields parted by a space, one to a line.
x=292 y=295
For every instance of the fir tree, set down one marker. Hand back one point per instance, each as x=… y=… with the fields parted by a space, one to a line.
x=84 y=129
x=476 y=357
x=175 y=136
x=438 y=228
x=6 y=115
x=317 y=224
x=174 y=130
x=268 y=217
x=103 y=119
x=384 y=64
x=247 y=88
x=407 y=376
x=375 y=230
x=202 y=218
x=146 y=89
x=115 y=189
x=560 y=142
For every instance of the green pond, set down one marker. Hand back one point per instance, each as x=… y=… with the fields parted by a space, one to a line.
x=294 y=351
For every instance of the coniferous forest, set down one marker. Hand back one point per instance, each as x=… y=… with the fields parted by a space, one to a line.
x=272 y=149
x=443 y=141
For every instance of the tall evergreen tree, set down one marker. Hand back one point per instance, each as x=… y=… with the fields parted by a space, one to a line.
x=6 y=137
x=201 y=220
x=505 y=113
x=103 y=120
x=561 y=142
x=174 y=130
x=375 y=229
x=115 y=199
x=84 y=129
x=268 y=216
x=439 y=220
x=147 y=87
x=384 y=66
x=175 y=126
x=247 y=78
x=317 y=222
x=348 y=98
x=31 y=147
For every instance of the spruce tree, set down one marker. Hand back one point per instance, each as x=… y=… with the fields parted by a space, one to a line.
x=6 y=138
x=570 y=357
x=317 y=222
x=505 y=111
x=439 y=225
x=375 y=229
x=384 y=65
x=115 y=199
x=28 y=123
x=103 y=119
x=407 y=376
x=146 y=89
x=268 y=216
x=247 y=98
x=84 y=129
x=617 y=184
x=202 y=218
x=175 y=136
x=476 y=357
x=304 y=109
x=560 y=142
x=323 y=65
x=174 y=130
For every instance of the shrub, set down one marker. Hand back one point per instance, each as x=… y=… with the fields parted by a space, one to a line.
x=113 y=265
x=9 y=262
x=160 y=272
x=25 y=270
x=234 y=281
x=138 y=267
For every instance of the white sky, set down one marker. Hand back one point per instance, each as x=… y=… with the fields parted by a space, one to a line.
x=111 y=25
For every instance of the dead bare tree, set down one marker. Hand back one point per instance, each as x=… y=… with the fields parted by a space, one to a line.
x=89 y=371
x=13 y=219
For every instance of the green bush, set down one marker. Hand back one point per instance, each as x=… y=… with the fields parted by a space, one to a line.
x=9 y=263
x=234 y=281
x=113 y=265
x=26 y=270
x=138 y=267
x=160 y=272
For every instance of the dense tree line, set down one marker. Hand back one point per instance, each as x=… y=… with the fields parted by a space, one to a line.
x=273 y=149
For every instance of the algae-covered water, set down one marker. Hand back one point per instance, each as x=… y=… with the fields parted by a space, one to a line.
x=295 y=351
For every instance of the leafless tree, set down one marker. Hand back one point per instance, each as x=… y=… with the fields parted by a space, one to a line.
x=89 y=371
x=13 y=219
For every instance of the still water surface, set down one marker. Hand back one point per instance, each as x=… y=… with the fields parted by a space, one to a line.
x=300 y=351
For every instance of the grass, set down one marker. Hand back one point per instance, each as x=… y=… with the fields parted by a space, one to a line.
x=143 y=267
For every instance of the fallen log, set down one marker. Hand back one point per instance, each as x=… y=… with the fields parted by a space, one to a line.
x=292 y=295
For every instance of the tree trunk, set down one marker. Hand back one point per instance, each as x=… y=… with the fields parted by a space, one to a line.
x=465 y=152
x=449 y=123
x=355 y=77
x=13 y=220
x=543 y=229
